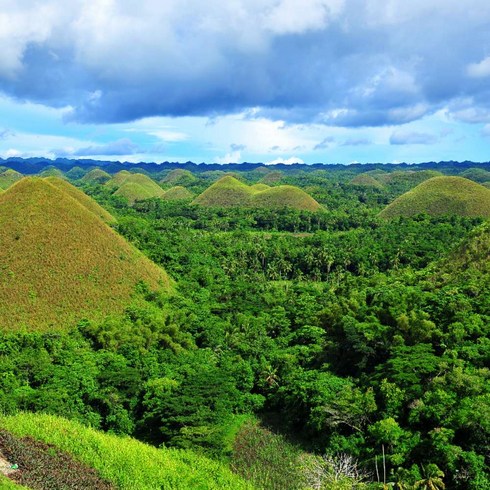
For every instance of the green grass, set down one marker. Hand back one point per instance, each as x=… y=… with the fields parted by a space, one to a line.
x=135 y=187
x=366 y=181
x=128 y=463
x=7 y=484
x=230 y=192
x=59 y=262
x=407 y=177
x=96 y=176
x=285 y=196
x=9 y=177
x=259 y=187
x=476 y=174
x=226 y=192
x=178 y=176
x=51 y=171
x=177 y=192
x=82 y=198
x=273 y=177
x=440 y=196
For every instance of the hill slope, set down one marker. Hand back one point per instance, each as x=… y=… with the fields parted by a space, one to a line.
x=9 y=177
x=96 y=176
x=123 y=462
x=82 y=198
x=226 y=192
x=285 y=196
x=60 y=262
x=442 y=195
x=177 y=192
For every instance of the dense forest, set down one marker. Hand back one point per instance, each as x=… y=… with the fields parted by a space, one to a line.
x=326 y=350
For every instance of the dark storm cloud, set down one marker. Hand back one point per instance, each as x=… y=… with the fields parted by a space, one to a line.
x=349 y=63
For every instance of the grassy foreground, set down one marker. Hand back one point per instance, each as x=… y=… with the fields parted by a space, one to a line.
x=127 y=463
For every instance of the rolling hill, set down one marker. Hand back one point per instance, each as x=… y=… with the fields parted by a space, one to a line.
x=285 y=196
x=442 y=195
x=135 y=187
x=179 y=176
x=230 y=192
x=226 y=192
x=366 y=181
x=9 y=177
x=60 y=262
x=52 y=452
x=82 y=198
x=96 y=176
x=176 y=193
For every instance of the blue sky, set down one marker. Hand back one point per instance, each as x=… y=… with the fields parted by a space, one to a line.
x=333 y=81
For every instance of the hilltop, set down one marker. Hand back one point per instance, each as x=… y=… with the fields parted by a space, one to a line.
x=9 y=177
x=56 y=453
x=442 y=195
x=177 y=192
x=285 y=196
x=135 y=187
x=96 y=176
x=82 y=198
x=230 y=192
x=226 y=192
x=366 y=181
x=60 y=262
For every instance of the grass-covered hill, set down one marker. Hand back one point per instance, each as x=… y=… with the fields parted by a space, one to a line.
x=9 y=177
x=177 y=192
x=479 y=175
x=226 y=192
x=135 y=187
x=285 y=196
x=96 y=176
x=440 y=196
x=82 y=198
x=272 y=177
x=60 y=262
x=230 y=192
x=51 y=171
x=179 y=176
x=54 y=453
x=366 y=181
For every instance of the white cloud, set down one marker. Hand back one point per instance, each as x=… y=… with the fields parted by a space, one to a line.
x=231 y=157
x=285 y=161
x=479 y=70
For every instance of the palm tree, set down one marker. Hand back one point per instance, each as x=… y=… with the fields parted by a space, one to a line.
x=432 y=479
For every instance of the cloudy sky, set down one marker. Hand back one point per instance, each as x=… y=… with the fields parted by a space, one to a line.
x=332 y=81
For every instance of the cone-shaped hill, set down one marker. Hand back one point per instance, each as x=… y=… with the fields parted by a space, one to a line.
x=476 y=174
x=179 y=176
x=135 y=187
x=366 y=181
x=230 y=192
x=51 y=171
x=96 y=176
x=9 y=177
x=259 y=187
x=82 y=198
x=176 y=193
x=442 y=195
x=285 y=196
x=226 y=192
x=60 y=262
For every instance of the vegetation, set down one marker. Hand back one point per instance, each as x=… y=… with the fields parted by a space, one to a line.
x=285 y=196
x=442 y=195
x=366 y=180
x=9 y=177
x=96 y=176
x=176 y=193
x=60 y=262
x=226 y=192
x=124 y=462
x=329 y=349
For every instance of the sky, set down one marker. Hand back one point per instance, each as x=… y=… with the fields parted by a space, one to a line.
x=330 y=81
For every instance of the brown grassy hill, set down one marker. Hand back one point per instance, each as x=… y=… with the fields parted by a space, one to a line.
x=407 y=178
x=60 y=262
x=442 y=195
x=9 y=177
x=285 y=196
x=177 y=192
x=96 y=176
x=51 y=171
x=118 y=179
x=82 y=198
x=226 y=192
x=366 y=181
x=133 y=192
